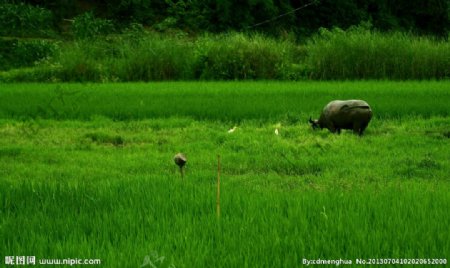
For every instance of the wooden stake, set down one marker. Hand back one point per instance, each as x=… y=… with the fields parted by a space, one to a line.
x=218 y=187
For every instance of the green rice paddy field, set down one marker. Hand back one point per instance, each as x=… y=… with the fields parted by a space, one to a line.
x=87 y=171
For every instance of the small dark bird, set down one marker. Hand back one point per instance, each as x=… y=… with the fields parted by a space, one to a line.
x=180 y=159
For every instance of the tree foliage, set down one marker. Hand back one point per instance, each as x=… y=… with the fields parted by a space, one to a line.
x=417 y=16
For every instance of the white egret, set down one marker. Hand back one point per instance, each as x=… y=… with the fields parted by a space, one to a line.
x=232 y=130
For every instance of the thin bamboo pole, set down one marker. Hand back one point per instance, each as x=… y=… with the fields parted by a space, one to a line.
x=218 y=187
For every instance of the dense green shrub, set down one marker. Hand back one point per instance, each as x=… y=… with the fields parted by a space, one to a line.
x=25 y=20
x=7 y=55
x=45 y=73
x=430 y=17
x=16 y=53
x=87 y=26
x=359 y=53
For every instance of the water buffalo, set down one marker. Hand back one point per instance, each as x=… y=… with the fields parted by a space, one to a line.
x=347 y=114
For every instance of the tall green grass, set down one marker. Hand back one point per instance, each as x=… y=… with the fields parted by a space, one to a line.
x=333 y=54
x=152 y=57
x=363 y=54
x=80 y=179
x=240 y=56
x=224 y=101
x=126 y=59
x=68 y=190
x=122 y=222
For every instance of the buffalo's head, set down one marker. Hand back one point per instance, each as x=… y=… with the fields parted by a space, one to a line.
x=314 y=123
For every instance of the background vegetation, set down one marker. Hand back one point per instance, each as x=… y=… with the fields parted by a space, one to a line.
x=215 y=40
x=357 y=53
x=422 y=17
